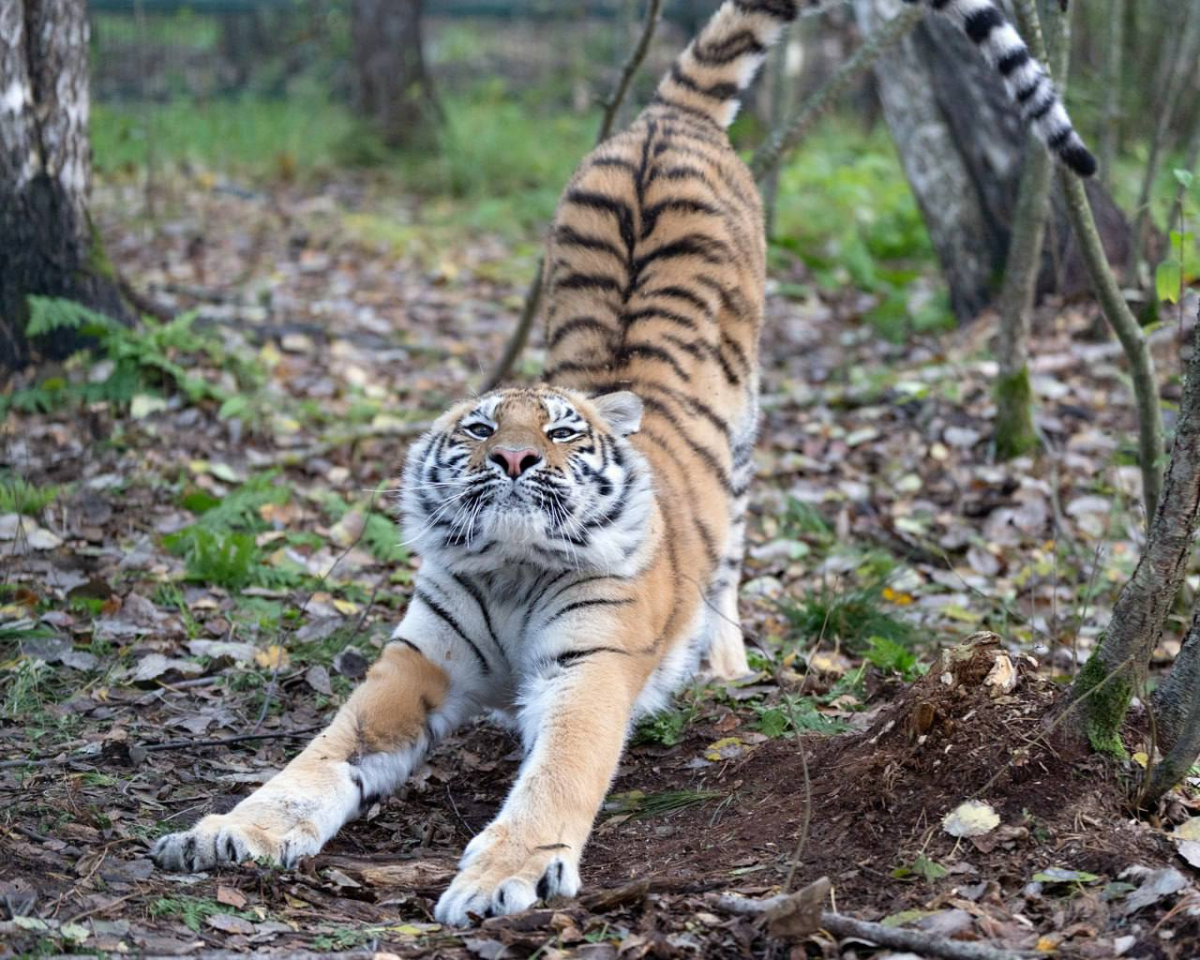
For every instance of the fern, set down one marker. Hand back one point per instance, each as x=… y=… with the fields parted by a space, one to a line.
x=383 y=539
x=47 y=314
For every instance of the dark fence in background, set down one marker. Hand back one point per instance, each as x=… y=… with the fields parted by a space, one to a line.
x=163 y=49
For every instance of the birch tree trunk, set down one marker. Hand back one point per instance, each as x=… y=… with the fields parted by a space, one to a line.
x=394 y=89
x=48 y=245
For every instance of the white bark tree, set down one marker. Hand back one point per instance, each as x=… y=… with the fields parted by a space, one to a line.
x=48 y=245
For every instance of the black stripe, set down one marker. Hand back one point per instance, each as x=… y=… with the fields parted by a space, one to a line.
x=646 y=351
x=613 y=162
x=1044 y=107
x=1059 y=140
x=675 y=205
x=570 y=657
x=594 y=602
x=1026 y=92
x=779 y=9
x=586 y=281
x=572 y=366
x=718 y=91
x=680 y=293
x=407 y=643
x=570 y=237
x=668 y=104
x=473 y=590
x=727 y=49
x=1013 y=61
x=980 y=24
x=603 y=202
x=689 y=245
x=445 y=616
x=656 y=313
x=707 y=457
x=578 y=325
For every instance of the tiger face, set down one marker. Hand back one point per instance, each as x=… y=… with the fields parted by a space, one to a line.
x=533 y=475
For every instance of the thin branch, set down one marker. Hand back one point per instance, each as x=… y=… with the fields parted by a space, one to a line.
x=784 y=137
x=613 y=104
x=612 y=107
x=1183 y=53
x=925 y=944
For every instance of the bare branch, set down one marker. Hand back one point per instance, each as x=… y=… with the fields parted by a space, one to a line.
x=782 y=139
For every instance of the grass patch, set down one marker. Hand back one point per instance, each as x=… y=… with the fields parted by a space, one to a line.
x=665 y=728
x=18 y=495
x=852 y=618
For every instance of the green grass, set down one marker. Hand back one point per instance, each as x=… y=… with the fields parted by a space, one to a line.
x=854 y=618
x=18 y=495
x=242 y=136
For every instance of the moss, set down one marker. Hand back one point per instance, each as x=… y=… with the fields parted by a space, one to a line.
x=1015 y=434
x=98 y=263
x=1103 y=702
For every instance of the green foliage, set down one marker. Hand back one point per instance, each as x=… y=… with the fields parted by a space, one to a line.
x=891 y=657
x=802 y=519
x=846 y=209
x=220 y=547
x=192 y=911
x=253 y=136
x=382 y=538
x=239 y=509
x=851 y=617
x=792 y=715
x=18 y=495
x=225 y=559
x=151 y=360
x=921 y=868
x=664 y=728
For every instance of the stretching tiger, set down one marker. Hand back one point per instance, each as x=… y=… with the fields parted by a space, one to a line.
x=582 y=540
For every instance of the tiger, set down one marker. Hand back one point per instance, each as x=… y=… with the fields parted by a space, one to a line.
x=581 y=539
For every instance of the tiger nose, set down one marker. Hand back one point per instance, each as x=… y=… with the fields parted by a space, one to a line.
x=515 y=462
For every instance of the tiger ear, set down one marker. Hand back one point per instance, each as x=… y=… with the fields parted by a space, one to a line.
x=622 y=411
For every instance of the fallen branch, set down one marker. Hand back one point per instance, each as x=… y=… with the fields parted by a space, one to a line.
x=184 y=743
x=612 y=106
x=782 y=139
x=894 y=938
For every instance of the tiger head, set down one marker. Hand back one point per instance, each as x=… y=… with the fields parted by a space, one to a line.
x=539 y=475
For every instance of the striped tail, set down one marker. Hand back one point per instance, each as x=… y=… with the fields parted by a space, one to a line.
x=710 y=75
x=1024 y=78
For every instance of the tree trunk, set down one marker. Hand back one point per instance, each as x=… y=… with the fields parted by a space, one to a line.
x=962 y=144
x=48 y=245
x=394 y=89
x=1107 y=682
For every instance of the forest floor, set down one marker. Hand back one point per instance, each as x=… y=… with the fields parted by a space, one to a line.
x=198 y=547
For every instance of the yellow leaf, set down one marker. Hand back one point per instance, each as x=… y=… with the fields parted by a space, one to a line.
x=715 y=751
x=1140 y=758
x=897 y=597
x=346 y=607
x=273 y=657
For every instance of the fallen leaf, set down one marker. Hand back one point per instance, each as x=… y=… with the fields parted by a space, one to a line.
x=972 y=818
x=228 y=923
x=799 y=915
x=274 y=657
x=231 y=897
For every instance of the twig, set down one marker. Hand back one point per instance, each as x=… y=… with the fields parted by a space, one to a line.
x=166 y=745
x=792 y=131
x=892 y=937
x=612 y=106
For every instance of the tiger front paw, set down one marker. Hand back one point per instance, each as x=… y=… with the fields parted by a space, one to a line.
x=228 y=838
x=500 y=875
